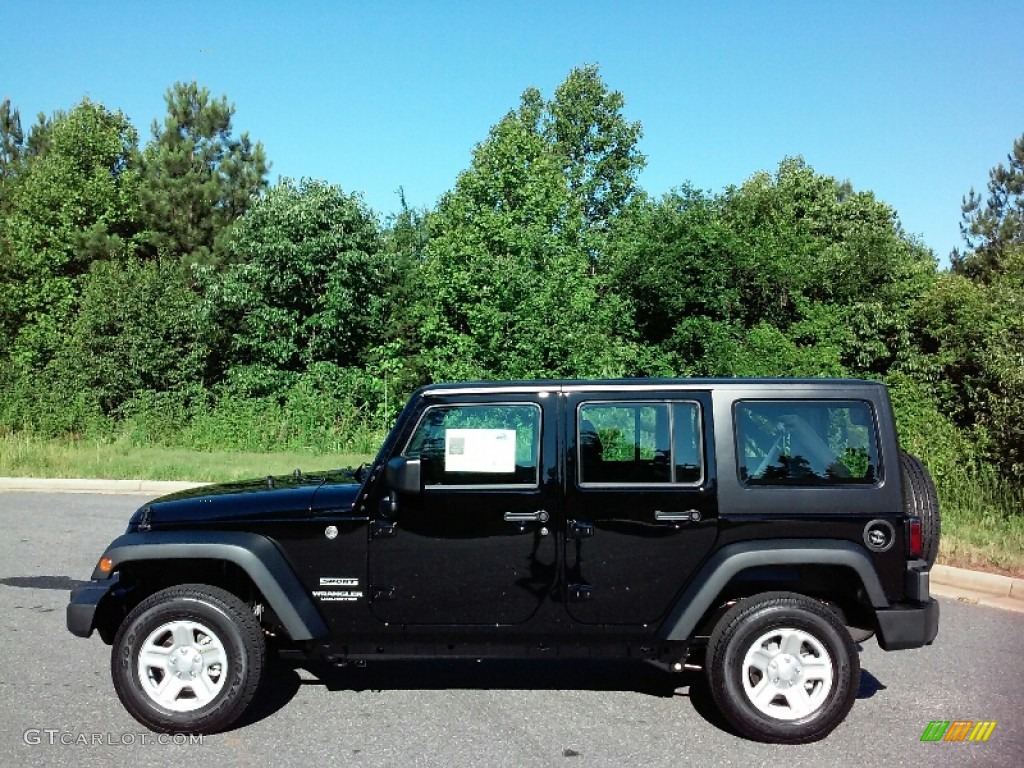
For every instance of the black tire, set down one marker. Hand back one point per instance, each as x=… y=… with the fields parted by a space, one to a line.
x=192 y=608
x=822 y=640
x=920 y=500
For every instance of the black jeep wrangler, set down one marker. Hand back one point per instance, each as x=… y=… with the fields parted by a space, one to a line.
x=755 y=528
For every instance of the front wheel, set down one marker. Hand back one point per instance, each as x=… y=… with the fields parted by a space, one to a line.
x=188 y=659
x=782 y=668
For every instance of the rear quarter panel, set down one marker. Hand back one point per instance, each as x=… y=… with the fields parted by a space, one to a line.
x=841 y=512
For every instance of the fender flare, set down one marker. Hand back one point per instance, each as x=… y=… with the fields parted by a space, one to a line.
x=719 y=570
x=257 y=555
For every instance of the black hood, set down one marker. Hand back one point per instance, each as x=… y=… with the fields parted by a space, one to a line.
x=286 y=497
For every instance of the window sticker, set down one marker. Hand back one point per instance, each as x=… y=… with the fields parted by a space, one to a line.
x=480 y=450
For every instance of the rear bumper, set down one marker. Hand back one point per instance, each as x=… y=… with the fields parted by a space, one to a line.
x=85 y=601
x=902 y=627
x=915 y=622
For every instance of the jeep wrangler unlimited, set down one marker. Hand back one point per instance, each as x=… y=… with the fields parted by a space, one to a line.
x=752 y=527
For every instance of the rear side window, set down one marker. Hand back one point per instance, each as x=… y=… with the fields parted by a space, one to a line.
x=640 y=443
x=806 y=443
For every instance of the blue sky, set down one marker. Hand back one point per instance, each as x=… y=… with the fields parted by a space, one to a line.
x=912 y=100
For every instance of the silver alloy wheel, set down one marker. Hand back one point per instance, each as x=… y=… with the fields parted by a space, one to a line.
x=787 y=674
x=182 y=666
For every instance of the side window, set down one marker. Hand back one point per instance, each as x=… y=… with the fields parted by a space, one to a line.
x=639 y=443
x=475 y=445
x=806 y=443
x=687 y=442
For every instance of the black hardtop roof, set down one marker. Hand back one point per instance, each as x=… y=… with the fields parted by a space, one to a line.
x=597 y=385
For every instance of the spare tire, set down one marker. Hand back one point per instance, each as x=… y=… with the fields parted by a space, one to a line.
x=920 y=500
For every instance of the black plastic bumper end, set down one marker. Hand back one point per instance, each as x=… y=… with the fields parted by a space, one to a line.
x=905 y=627
x=81 y=611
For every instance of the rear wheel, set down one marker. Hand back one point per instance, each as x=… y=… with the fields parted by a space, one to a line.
x=188 y=659
x=782 y=668
x=922 y=501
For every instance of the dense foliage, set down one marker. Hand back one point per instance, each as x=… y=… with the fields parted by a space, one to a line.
x=168 y=293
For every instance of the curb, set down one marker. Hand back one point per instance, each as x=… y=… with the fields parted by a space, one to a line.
x=972 y=597
x=83 y=485
x=992 y=583
x=985 y=588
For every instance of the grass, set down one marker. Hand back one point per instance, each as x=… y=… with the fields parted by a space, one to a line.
x=982 y=525
x=30 y=457
x=982 y=522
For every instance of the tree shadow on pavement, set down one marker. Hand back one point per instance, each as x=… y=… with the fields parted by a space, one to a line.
x=60 y=583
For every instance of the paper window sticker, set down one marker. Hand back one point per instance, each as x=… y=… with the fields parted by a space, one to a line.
x=480 y=450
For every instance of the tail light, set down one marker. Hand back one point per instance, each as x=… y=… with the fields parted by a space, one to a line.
x=915 y=541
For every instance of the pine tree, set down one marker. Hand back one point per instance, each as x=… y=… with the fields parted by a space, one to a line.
x=197 y=177
x=12 y=141
x=993 y=228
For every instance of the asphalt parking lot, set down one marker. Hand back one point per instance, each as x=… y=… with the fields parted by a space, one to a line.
x=58 y=707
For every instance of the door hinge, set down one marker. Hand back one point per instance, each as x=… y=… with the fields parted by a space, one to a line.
x=580 y=593
x=580 y=530
x=379 y=594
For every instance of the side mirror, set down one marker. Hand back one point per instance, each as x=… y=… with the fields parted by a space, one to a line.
x=403 y=475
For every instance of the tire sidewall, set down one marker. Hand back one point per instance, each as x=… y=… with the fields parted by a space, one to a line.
x=744 y=714
x=921 y=500
x=134 y=632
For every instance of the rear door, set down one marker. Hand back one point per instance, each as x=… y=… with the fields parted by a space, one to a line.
x=640 y=502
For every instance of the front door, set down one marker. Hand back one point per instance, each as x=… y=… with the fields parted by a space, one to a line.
x=641 y=510
x=475 y=545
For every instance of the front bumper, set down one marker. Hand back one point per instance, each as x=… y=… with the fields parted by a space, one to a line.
x=85 y=602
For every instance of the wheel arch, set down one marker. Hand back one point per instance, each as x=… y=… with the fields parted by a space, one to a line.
x=188 y=553
x=741 y=569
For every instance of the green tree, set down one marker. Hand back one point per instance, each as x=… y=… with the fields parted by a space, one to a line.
x=791 y=273
x=970 y=334
x=595 y=145
x=197 y=177
x=40 y=136
x=804 y=236
x=1004 y=361
x=993 y=227
x=672 y=258
x=12 y=148
x=510 y=284
x=971 y=326
x=394 y=353
x=305 y=285
x=140 y=329
x=72 y=204
x=12 y=145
